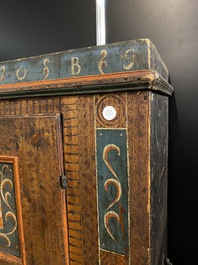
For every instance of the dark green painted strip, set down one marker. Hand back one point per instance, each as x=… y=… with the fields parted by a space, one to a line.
x=112 y=177
x=9 y=241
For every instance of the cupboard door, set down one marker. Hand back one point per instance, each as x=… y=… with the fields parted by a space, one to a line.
x=36 y=143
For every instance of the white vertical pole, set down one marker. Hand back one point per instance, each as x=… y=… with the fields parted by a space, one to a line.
x=100 y=22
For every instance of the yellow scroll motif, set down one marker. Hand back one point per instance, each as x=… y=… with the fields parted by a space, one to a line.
x=5 y=197
x=19 y=75
x=2 y=69
x=111 y=181
x=117 y=184
x=46 y=69
x=102 y=63
x=106 y=150
x=1 y=216
x=129 y=56
x=107 y=217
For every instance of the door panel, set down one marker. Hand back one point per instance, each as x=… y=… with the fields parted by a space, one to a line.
x=11 y=227
x=37 y=142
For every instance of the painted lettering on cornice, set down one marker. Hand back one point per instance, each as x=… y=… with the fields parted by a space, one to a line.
x=112 y=58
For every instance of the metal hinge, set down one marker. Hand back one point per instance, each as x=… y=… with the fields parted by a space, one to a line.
x=63 y=181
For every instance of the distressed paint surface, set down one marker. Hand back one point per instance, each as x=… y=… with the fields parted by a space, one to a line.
x=9 y=236
x=37 y=141
x=112 y=190
x=30 y=69
x=159 y=168
x=105 y=59
x=111 y=58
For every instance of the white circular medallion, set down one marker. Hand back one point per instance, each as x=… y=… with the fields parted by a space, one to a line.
x=109 y=113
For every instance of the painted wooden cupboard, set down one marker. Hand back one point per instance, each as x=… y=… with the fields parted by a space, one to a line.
x=83 y=157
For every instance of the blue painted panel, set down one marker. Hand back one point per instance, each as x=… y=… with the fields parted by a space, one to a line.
x=9 y=237
x=112 y=177
x=30 y=69
x=117 y=57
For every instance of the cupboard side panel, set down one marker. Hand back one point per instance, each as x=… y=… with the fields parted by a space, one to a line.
x=159 y=159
